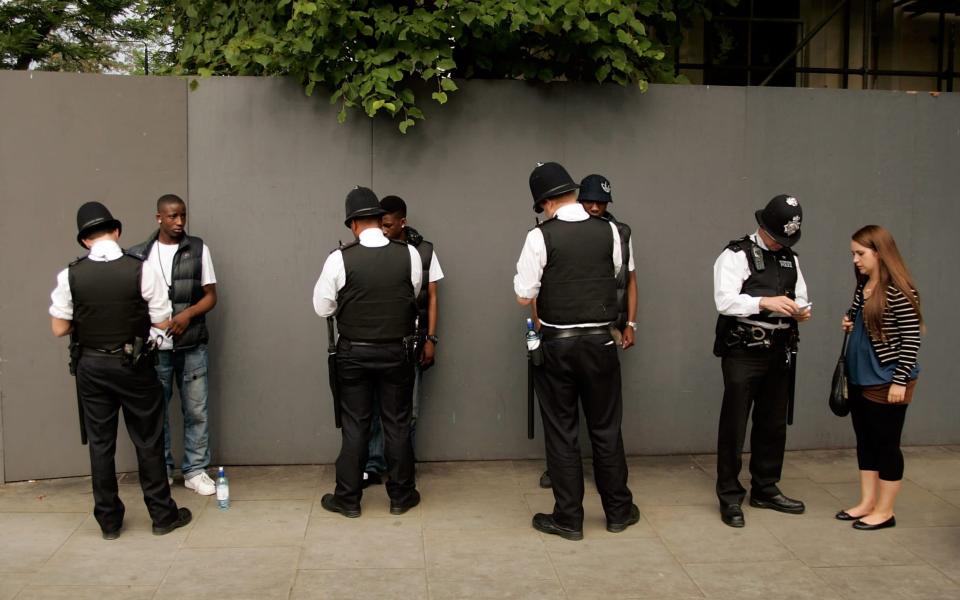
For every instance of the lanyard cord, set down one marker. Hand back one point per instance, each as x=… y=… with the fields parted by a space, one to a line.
x=160 y=263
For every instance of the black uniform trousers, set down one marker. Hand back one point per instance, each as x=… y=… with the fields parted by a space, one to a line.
x=106 y=387
x=366 y=372
x=584 y=367
x=757 y=378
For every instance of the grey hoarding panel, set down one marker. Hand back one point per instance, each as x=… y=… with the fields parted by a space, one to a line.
x=69 y=139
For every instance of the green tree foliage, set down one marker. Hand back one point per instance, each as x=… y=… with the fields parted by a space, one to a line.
x=91 y=36
x=372 y=54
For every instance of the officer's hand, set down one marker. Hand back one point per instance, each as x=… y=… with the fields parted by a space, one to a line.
x=779 y=304
x=803 y=315
x=896 y=393
x=179 y=324
x=628 y=336
x=846 y=324
x=426 y=357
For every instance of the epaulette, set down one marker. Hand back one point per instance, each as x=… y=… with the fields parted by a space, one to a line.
x=343 y=246
x=739 y=245
x=131 y=255
x=77 y=260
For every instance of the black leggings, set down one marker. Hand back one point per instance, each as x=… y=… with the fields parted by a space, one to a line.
x=878 y=427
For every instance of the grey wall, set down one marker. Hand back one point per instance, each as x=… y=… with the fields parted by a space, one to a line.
x=269 y=168
x=66 y=140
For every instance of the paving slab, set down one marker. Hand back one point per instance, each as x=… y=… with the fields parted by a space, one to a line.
x=360 y=584
x=916 y=582
x=295 y=482
x=823 y=543
x=939 y=546
x=79 y=592
x=510 y=554
x=371 y=543
x=252 y=523
x=28 y=540
x=824 y=466
x=12 y=583
x=916 y=507
x=235 y=573
x=496 y=589
x=783 y=580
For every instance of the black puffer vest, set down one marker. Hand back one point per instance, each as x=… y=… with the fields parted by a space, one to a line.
x=425 y=250
x=185 y=287
x=623 y=276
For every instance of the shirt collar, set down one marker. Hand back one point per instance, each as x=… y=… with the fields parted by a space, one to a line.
x=373 y=237
x=105 y=250
x=572 y=212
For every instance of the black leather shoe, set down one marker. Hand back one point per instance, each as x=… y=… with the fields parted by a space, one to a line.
x=546 y=524
x=111 y=535
x=779 y=503
x=845 y=516
x=732 y=515
x=331 y=503
x=633 y=519
x=858 y=524
x=398 y=508
x=371 y=478
x=545 y=481
x=184 y=516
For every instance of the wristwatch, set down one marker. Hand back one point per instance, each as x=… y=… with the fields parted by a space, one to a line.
x=632 y=324
x=433 y=339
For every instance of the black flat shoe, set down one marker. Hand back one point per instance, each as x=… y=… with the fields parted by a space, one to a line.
x=398 y=508
x=184 y=516
x=633 y=519
x=546 y=524
x=545 y=481
x=778 y=503
x=331 y=503
x=732 y=515
x=858 y=524
x=845 y=516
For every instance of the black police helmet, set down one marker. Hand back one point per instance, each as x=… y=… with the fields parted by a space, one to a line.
x=781 y=219
x=595 y=188
x=93 y=217
x=362 y=202
x=547 y=181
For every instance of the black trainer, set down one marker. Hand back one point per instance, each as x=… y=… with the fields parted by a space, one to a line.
x=184 y=516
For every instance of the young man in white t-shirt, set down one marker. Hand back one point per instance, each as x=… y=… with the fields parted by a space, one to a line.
x=186 y=267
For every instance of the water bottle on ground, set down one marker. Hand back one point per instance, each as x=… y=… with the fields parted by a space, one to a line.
x=223 y=490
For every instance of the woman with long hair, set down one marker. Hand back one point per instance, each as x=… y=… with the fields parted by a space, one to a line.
x=885 y=324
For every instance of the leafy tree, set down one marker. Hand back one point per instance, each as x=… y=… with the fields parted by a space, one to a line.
x=371 y=54
x=90 y=36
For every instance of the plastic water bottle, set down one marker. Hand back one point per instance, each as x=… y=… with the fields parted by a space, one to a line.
x=223 y=490
x=533 y=338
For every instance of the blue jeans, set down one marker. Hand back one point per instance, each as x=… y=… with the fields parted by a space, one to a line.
x=189 y=369
x=376 y=463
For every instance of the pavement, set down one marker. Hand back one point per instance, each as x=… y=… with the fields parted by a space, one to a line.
x=471 y=538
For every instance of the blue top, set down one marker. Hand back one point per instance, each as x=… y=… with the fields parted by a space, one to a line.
x=863 y=366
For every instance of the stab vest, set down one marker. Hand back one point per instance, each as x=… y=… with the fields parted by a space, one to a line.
x=186 y=287
x=578 y=283
x=108 y=306
x=425 y=250
x=623 y=277
x=778 y=278
x=376 y=304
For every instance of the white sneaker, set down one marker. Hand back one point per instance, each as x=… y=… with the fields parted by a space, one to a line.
x=201 y=484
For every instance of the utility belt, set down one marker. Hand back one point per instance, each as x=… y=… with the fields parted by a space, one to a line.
x=410 y=345
x=743 y=335
x=556 y=333
x=132 y=354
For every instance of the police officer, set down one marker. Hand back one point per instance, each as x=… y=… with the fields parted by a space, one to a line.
x=107 y=301
x=568 y=266
x=761 y=296
x=371 y=286
x=395 y=227
x=595 y=195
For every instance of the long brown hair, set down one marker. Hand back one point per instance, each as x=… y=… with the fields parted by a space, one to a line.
x=891 y=270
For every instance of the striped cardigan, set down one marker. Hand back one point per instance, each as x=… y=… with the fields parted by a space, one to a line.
x=901 y=327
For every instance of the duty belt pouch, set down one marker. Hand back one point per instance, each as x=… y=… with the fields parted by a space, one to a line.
x=410 y=348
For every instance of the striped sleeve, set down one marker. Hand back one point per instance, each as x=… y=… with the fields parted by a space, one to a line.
x=908 y=327
x=857 y=302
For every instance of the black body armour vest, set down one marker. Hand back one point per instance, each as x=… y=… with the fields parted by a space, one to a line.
x=186 y=288
x=425 y=250
x=777 y=278
x=578 y=283
x=623 y=277
x=108 y=307
x=377 y=303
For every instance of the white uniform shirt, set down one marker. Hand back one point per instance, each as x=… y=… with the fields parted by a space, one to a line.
x=730 y=270
x=533 y=258
x=152 y=287
x=334 y=276
x=160 y=258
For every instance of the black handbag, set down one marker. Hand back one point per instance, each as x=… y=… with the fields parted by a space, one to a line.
x=839 y=399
